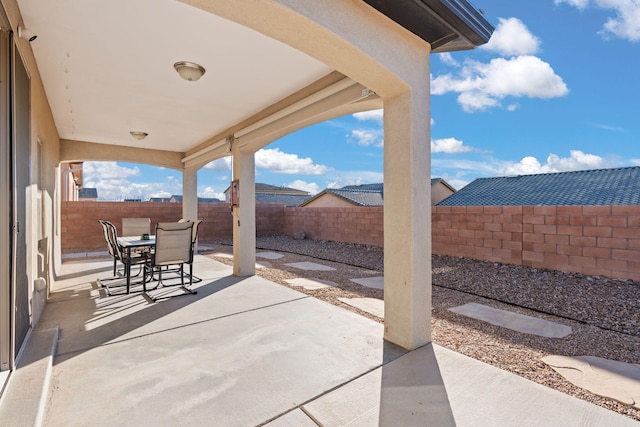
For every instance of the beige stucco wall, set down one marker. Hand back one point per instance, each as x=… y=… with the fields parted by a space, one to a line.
x=439 y=192
x=43 y=245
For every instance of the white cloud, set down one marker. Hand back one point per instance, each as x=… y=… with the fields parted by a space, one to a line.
x=482 y=86
x=343 y=178
x=376 y=115
x=219 y=165
x=161 y=193
x=277 y=161
x=367 y=137
x=448 y=59
x=626 y=23
x=107 y=170
x=580 y=4
x=210 y=192
x=311 y=187
x=512 y=37
x=449 y=145
x=466 y=170
x=577 y=160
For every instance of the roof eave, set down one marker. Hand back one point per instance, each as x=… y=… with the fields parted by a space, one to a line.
x=447 y=25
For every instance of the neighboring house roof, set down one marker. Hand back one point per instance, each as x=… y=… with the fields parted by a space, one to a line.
x=443 y=182
x=371 y=187
x=380 y=186
x=290 y=200
x=273 y=189
x=599 y=187
x=365 y=194
x=88 y=193
x=356 y=197
x=360 y=197
x=159 y=199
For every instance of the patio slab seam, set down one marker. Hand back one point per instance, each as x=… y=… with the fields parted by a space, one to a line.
x=301 y=405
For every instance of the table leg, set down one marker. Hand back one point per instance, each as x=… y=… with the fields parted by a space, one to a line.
x=128 y=269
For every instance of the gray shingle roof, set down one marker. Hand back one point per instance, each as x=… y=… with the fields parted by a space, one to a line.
x=88 y=193
x=372 y=187
x=359 y=197
x=290 y=200
x=600 y=187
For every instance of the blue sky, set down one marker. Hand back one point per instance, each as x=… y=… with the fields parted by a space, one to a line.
x=557 y=88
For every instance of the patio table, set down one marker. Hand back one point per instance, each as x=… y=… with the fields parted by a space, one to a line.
x=127 y=243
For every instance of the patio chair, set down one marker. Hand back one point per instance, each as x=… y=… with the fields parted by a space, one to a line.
x=112 y=252
x=194 y=241
x=137 y=258
x=136 y=226
x=174 y=248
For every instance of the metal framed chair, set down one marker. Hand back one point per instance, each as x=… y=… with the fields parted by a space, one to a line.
x=136 y=226
x=194 y=242
x=173 y=248
x=137 y=258
x=106 y=230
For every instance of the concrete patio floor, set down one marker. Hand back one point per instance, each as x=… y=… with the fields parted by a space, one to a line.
x=246 y=351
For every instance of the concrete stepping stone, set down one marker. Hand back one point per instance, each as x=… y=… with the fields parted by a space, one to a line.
x=514 y=321
x=311 y=284
x=371 y=282
x=269 y=255
x=263 y=264
x=370 y=305
x=604 y=377
x=311 y=266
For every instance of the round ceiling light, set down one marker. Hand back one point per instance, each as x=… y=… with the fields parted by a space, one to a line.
x=138 y=134
x=189 y=70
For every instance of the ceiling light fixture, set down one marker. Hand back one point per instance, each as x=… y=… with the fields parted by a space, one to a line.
x=189 y=70
x=138 y=134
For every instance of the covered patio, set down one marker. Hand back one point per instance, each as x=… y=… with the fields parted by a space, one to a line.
x=98 y=81
x=246 y=351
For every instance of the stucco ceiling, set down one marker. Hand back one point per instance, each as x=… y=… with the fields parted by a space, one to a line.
x=107 y=68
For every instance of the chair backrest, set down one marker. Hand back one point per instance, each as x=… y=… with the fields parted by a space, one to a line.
x=196 y=224
x=194 y=233
x=136 y=226
x=107 y=238
x=111 y=235
x=173 y=243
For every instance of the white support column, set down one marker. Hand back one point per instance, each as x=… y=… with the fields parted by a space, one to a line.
x=407 y=218
x=244 y=215
x=190 y=194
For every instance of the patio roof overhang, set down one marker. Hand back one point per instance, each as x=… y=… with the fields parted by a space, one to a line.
x=107 y=70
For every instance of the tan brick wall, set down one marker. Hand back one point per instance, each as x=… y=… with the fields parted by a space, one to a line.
x=593 y=240
x=362 y=225
x=81 y=230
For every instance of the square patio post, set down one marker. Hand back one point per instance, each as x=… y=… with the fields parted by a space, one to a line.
x=190 y=194
x=244 y=215
x=407 y=218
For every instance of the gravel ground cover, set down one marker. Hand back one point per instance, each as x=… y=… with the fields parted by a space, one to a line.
x=604 y=314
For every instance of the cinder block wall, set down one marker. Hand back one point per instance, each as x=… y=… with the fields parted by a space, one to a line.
x=593 y=240
x=82 y=232
x=362 y=225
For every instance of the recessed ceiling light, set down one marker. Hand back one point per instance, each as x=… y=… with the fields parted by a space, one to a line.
x=189 y=70
x=138 y=134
